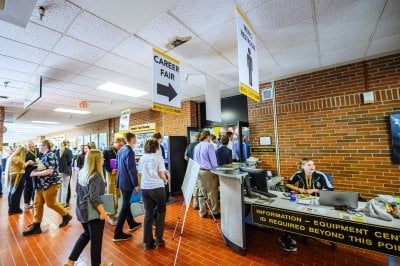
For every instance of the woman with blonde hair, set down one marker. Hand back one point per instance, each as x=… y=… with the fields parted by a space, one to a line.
x=15 y=172
x=89 y=208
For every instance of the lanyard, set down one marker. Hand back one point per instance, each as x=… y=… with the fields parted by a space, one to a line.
x=308 y=181
x=34 y=154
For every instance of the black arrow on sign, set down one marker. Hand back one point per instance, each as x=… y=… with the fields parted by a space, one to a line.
x=166 y=91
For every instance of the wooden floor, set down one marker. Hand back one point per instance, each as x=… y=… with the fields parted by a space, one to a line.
x=201 y=244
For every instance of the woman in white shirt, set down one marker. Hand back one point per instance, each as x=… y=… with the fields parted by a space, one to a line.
x=152 y=168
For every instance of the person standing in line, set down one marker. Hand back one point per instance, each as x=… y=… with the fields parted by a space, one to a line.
x=64 y=156
x=214 y=141
x=189 y=155
x=157 y=136
x=127 y=182
x=230 y=145
x=47 y=184
x=16 y=171
x=224 y=154
x=90 y=186
x=152 y=168
x=81 y=157
x=29 y=191
x=111 y=175
x=205 y=156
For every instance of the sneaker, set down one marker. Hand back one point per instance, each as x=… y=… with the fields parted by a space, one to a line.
x=149 y=247
x=65 y=220
x=33 y=229
x=287 y=244
x=113 y=222
x=122 y=237
x=159 y=242
x=134 y=227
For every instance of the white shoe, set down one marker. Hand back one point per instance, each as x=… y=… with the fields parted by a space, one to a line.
x=112 y=222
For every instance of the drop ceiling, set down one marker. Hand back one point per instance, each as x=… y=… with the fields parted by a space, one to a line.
x=79 y=45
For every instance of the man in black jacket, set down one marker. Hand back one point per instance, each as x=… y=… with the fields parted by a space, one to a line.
x=109 y=155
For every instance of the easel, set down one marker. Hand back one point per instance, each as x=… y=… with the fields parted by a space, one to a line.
x=187 y=189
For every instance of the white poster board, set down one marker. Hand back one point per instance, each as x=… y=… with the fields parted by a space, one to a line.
x=124 y=120
x=247 y=57
x=189 y=181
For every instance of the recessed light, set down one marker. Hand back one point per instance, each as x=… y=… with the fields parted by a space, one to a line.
x=73 y=111
x=116 y=88
x=45 y=122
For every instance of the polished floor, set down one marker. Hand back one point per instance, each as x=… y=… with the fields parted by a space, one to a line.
x=201 y=244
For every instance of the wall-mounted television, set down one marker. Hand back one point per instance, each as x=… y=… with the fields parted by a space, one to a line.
x=395 y=128
x=34 y=93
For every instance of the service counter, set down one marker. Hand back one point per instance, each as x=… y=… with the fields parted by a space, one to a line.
x=310 y=220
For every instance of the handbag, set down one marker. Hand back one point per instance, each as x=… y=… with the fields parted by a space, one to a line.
x=136 y=197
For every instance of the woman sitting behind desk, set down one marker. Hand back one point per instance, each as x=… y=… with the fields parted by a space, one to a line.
x=309 y=181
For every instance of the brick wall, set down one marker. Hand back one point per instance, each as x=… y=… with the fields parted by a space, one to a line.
x=321 y=115
x=167 y=124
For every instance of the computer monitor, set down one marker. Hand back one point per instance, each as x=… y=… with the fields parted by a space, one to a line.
x=257 y=178
x=335 y=198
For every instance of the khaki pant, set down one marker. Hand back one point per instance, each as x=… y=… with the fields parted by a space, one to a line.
x=196 y=196
x=112 y=189
x=208 y=185
x=49 y=197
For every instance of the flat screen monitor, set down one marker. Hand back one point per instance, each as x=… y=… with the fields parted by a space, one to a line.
x=257 y=178
x=395 y=127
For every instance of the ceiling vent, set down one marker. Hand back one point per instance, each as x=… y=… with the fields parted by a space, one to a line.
x=266 y=94
x=177 y=41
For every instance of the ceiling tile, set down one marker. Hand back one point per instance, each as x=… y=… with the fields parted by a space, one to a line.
x=48 y=90
x=211 y=63
x=86 y=81
x=33 y=34
x=329 y=6
x=14 y=75
x=246 y=5
x=385 y=45
x=271 y=74
x=222 y=38
x=357 y=36
x=78 y=88
x=136 y=50
x=134 y=83
x=54 y=83
x=115 y=63
x=291 y=36
x=55 y=73
x=357 y=15
x=302 y=66
x=392 y=8
x=11 y=83
x=387 y=27
x=78 y=50
x=17 y=65
x=21 y=51
x=297 y=53
x=204 y=16
x=276 y=15
x=347 y=55
x=100 y=73
x=264 y=58
x=231 y=56
x=229 y=77
x=59 y=14
x=97 y=32
x=64 y=63
x=162 y=30
x=141 y=72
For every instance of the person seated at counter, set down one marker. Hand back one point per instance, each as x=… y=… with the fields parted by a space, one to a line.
x=224 y=154
x=309 y=181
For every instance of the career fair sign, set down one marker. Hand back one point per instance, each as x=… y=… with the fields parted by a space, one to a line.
x=166 y=83
x=247 y=57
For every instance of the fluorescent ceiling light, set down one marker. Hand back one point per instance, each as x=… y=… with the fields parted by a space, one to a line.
x=46 y=122
x=116 y=88
x=73 y=111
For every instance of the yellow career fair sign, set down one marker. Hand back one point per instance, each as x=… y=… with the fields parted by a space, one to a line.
x=166 y=83
x=247 y=57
